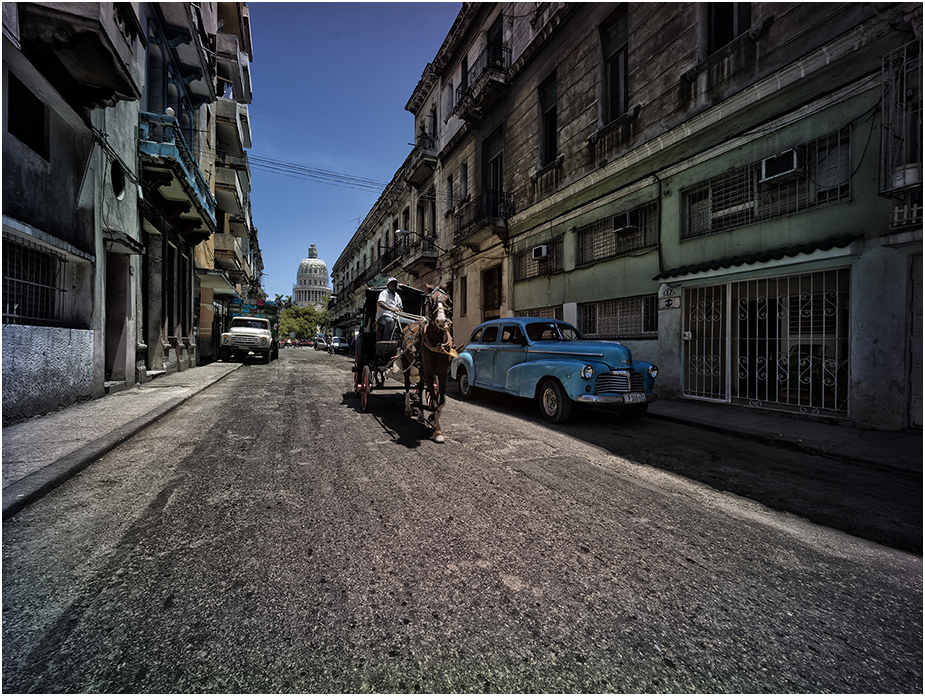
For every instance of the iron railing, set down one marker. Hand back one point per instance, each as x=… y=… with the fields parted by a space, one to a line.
x=490 y=207
x=494 y=58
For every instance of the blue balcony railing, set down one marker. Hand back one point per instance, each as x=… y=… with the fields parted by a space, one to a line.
x=159 y=135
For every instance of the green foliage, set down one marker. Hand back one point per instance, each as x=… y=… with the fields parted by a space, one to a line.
x=284 y=302
x=305 y=322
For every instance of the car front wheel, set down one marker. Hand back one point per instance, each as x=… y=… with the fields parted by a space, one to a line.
x=465 y=386
x=555 y=405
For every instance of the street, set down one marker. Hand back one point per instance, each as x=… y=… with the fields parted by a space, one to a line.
x=269 y=536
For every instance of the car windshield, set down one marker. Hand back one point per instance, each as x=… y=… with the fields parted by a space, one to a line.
x=249 y=323
x=551 y=331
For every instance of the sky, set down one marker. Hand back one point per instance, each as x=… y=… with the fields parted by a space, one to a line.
x=330 y=83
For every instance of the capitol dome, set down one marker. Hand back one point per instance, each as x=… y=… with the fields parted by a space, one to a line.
x=311 y=287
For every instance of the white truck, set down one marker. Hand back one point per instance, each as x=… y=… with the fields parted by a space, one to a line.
x=249 y=334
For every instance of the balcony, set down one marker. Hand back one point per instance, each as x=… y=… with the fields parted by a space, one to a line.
x=483 y=216
x=175 y=188
x=423 y=160
x=233 y=67
x=231 y=194
x=94 y=43
x=231 y=257
x=192 y=46
x=486 y=83
x=232 y=126
x=901 y=135
x=420 y=256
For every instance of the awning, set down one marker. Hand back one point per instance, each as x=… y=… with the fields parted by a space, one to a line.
x=217 y=281
x=764 y=257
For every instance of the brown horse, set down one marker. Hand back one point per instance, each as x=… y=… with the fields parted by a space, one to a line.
x=427 y=346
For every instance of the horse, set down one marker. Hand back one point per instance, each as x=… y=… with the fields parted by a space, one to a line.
x=428 y=345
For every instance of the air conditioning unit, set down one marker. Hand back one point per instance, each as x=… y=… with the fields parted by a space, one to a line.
x=541 y=252
x=783 y=165
x=626 y=222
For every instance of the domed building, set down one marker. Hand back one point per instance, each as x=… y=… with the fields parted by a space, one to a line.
x=311 y=286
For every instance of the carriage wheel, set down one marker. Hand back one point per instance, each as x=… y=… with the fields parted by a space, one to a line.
x=365 y=386
x=426 y=401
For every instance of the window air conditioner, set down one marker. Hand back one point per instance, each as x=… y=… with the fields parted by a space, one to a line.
x=784 y=164
x=626 y=222
x=541 y=252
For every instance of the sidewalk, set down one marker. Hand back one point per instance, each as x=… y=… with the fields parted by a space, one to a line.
x=40 y=453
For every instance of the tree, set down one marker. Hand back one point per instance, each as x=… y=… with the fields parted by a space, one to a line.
x=284 y=302
x=304 y=322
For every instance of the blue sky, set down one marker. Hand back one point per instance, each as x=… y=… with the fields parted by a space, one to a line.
x=330 y=83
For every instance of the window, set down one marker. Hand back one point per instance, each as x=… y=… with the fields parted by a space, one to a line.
x=491 y=291
x=818 y=173
x=625 y=233
x=614 y=47
x=449 y=193
x=491 y=334
x=726 y=21
x=462 y=301
x=26 y=117
x=463 y=181
x=548 y=125
x=531 y=263
x=31 y=284
x=554 y=312
x=513 y=334
x=621 y=318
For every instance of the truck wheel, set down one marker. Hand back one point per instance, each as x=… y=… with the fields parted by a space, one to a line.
x=555 y=405
x=267 y=356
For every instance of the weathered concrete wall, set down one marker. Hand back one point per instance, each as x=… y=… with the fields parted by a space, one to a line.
x=45 y=368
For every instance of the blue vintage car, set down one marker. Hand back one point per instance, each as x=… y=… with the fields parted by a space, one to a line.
x=548 y=360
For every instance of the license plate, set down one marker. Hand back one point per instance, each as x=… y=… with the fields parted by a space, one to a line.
x=633 y=398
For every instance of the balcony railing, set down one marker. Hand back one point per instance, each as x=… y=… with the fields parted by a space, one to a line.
x=494 y=58
x=490 y=209
x=160 y=136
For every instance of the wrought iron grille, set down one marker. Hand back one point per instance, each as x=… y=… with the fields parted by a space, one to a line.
x=901 y=114
x=609 y=238
x=554 y=312
x=621 y=318
x=820 y=175
x=772 y=342
x=526 y=266
x=32 y=279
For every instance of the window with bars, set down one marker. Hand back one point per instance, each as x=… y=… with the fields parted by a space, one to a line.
x=554 y=312
x=528 y=264
x=618 y=235
x=491 y=291
x=811 y=175
x=32 y=284
x=621 y=318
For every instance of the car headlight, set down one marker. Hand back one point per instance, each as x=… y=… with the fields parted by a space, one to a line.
x=587 y=372
x=653 y=371
x=225 y=338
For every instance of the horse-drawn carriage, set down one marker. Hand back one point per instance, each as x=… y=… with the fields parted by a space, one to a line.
x=416 y=351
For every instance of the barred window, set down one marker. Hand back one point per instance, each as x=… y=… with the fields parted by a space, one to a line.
x=621 y=318
x=808 y=176
x=554 y=312
x=31 y=284
x=618 y=235
x=531 y=263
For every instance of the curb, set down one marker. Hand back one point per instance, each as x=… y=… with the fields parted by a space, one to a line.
x=27 y=490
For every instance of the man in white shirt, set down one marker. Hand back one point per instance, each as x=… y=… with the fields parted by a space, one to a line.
x=389 y=303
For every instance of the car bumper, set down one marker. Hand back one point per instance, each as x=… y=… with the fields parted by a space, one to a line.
x=616 y=399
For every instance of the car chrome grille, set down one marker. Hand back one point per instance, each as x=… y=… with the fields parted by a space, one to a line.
x=620 y=382
x=247 y=340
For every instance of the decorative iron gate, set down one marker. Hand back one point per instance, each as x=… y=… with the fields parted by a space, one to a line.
x=772 y=342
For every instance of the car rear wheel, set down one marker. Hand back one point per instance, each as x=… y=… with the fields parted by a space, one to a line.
x=555 y=405
x=465 y=386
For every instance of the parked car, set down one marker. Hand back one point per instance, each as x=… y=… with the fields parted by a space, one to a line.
x=321 y=343
x=338 y=344
x=548 y=360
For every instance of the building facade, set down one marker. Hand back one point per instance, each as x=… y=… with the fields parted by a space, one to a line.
x=731 y=189
x=112 y=206
x=311 y=287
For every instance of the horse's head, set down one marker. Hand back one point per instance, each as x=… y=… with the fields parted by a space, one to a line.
x=438 y=308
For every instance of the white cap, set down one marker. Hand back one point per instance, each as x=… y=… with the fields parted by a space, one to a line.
x=392 y=280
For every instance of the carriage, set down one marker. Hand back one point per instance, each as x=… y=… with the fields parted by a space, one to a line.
x=374 y=358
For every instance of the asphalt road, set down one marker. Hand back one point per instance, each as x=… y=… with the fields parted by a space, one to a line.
x=269 y=536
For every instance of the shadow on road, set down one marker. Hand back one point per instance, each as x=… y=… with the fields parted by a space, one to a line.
x=388 y=410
